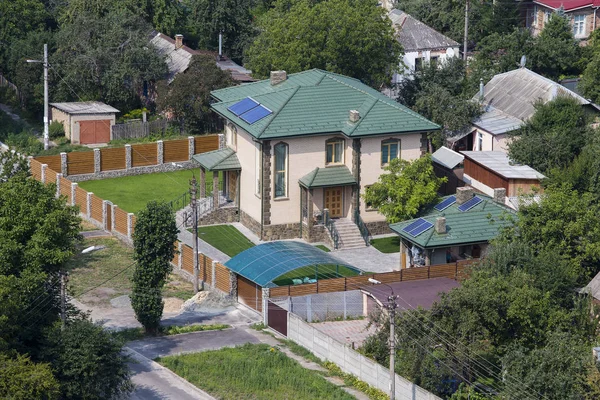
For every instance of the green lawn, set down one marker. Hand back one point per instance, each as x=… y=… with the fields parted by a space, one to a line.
x=325 y=271
x=387 y=245
x=225 y=238
x=322 y=247
x=252 y=371
x=131 y=193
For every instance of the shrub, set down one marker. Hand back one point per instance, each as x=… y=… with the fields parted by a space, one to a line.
x=56 y=130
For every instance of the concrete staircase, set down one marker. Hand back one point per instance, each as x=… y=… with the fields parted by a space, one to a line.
x=350 y=237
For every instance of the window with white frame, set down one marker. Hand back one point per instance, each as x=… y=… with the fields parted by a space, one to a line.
x=479 y=141
x=579 y=25
x=334 y=151
x=257 y=167
x=390 y=149
x=535 y=16
x=547 y=15
x=281 y=166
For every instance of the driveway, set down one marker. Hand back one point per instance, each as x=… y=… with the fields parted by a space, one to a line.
x=369 y=259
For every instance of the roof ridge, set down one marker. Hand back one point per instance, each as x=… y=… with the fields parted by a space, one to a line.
x=275 y=114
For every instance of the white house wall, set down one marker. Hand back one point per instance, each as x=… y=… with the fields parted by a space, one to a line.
x=249 y=202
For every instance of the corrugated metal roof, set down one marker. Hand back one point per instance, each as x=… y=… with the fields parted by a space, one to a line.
x=329 y=176
x=499 y=162
x=497 y=122
x=480 y=224
x=414 y=35
x=85 y=107
x=319 y=102
x=568 y=5
x=266 y=262
x=219 y=160
x=516 y=92
x=446 y=157
x=593 y=288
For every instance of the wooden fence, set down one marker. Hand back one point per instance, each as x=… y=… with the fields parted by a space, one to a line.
x=141 y=155
x=138 y=129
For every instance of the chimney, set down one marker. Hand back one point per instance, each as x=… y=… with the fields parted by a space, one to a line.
x=178 y=41
x=354 y=116
x=481 y=90
x=440 y=225
x=463 y=194
x=500 y=195
x=278 y=77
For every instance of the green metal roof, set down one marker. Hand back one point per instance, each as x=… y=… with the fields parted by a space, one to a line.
x=480 y=224
x=218 y=160
x=319 y=102
x=329 y=176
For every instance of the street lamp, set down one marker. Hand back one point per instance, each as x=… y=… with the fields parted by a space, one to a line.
x=392 y=313
x=45 y=62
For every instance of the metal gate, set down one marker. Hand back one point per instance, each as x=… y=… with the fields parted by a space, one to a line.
x=277 y=318
x=249 y=293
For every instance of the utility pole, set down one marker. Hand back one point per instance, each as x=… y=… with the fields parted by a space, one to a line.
x=193 y=191
x=392 y=311
x=466 y=29
x=46 y=66
x=64 y=278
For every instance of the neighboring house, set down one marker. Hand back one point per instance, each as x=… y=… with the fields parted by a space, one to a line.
x=178 y=58
x=421 y=43
x=307 y=142
x=509 y=100
x=487 y=171
x=87 y=122
x=458 y=227
x=448 y=164
x=582 y=14
x=593 y=289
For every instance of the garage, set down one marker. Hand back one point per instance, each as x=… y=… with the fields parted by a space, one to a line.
x=86 y=122
x=91 y=132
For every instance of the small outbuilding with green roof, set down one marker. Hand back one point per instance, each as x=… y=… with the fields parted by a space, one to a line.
x=457 y=227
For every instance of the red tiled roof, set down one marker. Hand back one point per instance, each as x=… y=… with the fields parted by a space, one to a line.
x=568 y=5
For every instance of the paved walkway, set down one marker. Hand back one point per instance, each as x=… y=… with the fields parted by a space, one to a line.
x=94 y=234
x=348 y=332
x=369 y=259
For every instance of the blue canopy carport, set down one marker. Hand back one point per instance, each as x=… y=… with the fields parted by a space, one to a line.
x=263 y=266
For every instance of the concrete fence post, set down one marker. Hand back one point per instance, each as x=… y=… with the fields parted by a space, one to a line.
x=266 y=293
x=105 y=215
x=73 y=193
x=58 y=178
x=43 y=173
x=129 y=225
x=191 y=147
x=308 y=309
x=64 y=167
x=214 y=275
x=89 y=204
x=160 y=151
x=345 y=300
x=127 y=156
x=180 y=259
x=113 y=223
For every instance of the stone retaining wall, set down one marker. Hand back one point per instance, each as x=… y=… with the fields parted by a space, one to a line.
x=220 y=216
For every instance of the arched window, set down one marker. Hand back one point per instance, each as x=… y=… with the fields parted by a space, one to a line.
x=334 y=151
x=390 y=149
x=281 y=166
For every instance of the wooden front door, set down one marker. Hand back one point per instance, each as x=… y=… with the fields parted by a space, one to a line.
x=334 y=200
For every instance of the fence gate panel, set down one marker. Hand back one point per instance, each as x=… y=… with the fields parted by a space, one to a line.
x=249 y=293
x=277 y=318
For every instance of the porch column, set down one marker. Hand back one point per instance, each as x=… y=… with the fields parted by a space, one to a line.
x=309 y=213
x=402 y=254
x=202 y=182
x=215 y=189
x=427 y=257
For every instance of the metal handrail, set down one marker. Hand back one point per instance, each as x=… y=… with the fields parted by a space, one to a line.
x=180 y=202
x=335 y=236
x=364 y=231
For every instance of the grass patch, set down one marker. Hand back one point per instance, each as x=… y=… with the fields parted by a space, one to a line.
x=387 y=245
x=252 y=371
x=301 y=351
x=258 y=326
x=225 y=238
x=87 y=226
x=325 y=271
x=131 y=193
x=323 y=247
x=87 y=271
x=353 y=381
x=130 y=334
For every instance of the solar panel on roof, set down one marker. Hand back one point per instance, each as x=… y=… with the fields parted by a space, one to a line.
x=256 y=114
x=417 y=227
x=446 y=203
x=243 y=106
x=470 y=204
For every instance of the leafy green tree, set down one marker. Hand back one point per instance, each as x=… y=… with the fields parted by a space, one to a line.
x=12 y=164
x=553 y=137
x=590 y=79
x=153 y=239
x=583 y=174
x=555 y=49
x=350 y=37
x=17 y=19
x=88 y=362
x=188 y=96
x=23 y=379
x=404 y=189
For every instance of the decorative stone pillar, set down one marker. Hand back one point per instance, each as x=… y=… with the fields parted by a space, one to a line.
x=129 y=225
x=266 y=183
x=309 y=213
x=215 y=189
x=105 y=215
x=266 y=294
x=222 y=141
x=64 y=168
x=128 y=162
x=89 y=204
x=113 y=223
x=160 y=150
x=97 y=165
x=202 y=182
x=43 y=173
x=356 y=146
x=402 y=254
x=214 y=274
x=233 y=284
x=180 y=258
x=73 y=193
x=58 y=178
x=191 y=147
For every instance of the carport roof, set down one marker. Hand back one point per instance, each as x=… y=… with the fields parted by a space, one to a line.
x=266 y=262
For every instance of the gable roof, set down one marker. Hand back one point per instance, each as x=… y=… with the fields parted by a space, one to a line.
x=496 y=121
x=499 y=162
x=179 y=59
x=515 y=93
x=568 y=5
x=593 y=288
x=330 y=176
x=85 y=107
x=317 y=102
x=480 y=224
x=218 y=160
x=447 y=158
x=414 y=35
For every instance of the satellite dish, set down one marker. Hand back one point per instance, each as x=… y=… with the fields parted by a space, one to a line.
x=450 y=52
x=523 y=61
